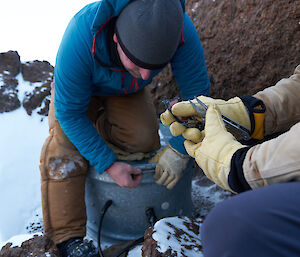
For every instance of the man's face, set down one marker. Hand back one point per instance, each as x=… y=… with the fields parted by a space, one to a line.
x=133 y=69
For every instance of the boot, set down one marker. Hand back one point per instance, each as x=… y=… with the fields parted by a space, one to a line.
x=77 y=247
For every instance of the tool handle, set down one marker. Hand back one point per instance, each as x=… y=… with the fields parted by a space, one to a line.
x=230 y=124
x=236 y=128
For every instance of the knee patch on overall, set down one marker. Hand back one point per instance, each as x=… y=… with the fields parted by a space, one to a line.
x=63 y=172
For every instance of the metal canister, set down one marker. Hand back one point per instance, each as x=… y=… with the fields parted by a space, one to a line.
x=126 y=218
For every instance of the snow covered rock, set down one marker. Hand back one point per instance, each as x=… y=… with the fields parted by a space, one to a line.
x=173 y=236
x=38 y=246
x=9 y=67
x=37 y=71
x=37 y=75
x=10 y=64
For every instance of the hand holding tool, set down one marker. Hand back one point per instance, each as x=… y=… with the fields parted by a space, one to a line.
x=230 y=124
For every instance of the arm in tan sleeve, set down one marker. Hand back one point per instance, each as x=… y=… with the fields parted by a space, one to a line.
x=274 y=161
x=282 y=103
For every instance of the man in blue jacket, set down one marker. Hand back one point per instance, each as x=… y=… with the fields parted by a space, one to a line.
x=110 y=51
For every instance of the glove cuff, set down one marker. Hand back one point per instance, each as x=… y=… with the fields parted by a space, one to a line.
x=236 y=178
x=183 y=156
x=256 y=110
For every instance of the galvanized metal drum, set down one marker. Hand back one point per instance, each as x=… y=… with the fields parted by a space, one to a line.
x=126 y=218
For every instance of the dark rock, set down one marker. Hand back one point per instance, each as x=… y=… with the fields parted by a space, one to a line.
x=39 y=246
x=182 y=232
x=37 y=71
x=10 y=64
x=206 y=194
x=163 y=86
x=149 y=248
x=248 y=45
x=33 y=72
x=9 y=68
x=38 y=98
x=9 y=100
x=45 y=109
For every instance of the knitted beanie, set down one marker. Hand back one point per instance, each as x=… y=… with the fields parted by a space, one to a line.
x=148 y=31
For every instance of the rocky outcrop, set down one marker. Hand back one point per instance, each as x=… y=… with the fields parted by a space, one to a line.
x=39 y=246
x=9 y=68
x=37 y=74
x=40 y=74
x=173 y=236
x=10 y=64
x=248 y=45
x=37 y=71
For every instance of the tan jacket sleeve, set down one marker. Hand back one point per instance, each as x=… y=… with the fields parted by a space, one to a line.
x=282 y=104
x=277 y=160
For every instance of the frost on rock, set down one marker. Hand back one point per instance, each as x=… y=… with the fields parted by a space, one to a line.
x=206 y=194
x=26 y=84
x=175 y=236
x=33 y=245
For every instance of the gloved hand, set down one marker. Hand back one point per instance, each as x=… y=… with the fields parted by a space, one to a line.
x=214 y=153
x=248 y=111
x=177 y=128
x=126 y=156
x=170 y=166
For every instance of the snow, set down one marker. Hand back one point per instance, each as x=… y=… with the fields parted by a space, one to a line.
x=21 y=138
x=34 y=28
x=173 y=233
x=135 y=252
x=19 y=239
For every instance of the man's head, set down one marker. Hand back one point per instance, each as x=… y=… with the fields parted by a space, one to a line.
x=135 y=70
x=148 y=32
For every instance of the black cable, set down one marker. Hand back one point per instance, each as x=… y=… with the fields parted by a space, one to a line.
x=151 y=217
x=102 y=213
x=128 y=247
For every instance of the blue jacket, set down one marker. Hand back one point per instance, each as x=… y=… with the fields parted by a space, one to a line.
x=78 y=76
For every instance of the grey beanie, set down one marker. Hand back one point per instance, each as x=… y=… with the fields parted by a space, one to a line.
x=148 y=31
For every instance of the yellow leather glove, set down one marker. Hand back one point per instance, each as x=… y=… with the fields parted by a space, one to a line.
x=126 y=156
x=170 y=166
x=251 y=115
x=214 y=153
x=177 y=128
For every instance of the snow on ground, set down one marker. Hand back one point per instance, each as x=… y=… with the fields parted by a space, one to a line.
x=19 y=239
x=179 y=235
x=34 y=28
x=21 y=139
